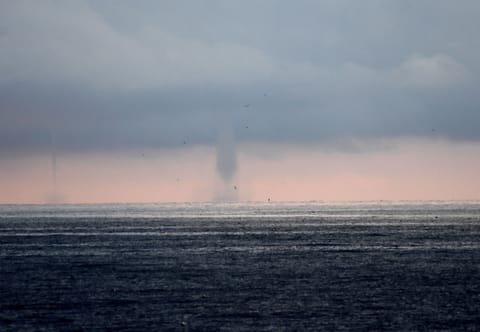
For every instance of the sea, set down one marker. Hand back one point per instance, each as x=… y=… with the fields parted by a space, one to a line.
x=310 y=266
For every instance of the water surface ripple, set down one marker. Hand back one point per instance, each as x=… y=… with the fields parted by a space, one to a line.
x=394 y=266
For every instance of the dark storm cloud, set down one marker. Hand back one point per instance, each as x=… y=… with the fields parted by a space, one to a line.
x=118 y=74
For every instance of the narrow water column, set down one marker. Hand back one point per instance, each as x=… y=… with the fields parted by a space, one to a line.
x=226 y=159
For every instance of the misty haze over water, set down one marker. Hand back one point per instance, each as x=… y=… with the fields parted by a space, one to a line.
x=240 y=266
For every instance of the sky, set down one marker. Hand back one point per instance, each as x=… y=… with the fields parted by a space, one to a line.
x=330 y=100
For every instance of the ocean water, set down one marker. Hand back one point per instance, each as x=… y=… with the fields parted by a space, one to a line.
x=375 y=266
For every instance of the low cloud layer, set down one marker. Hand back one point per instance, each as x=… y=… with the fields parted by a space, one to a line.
x=115 y=75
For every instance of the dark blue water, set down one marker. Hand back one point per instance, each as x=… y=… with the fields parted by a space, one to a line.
x=241 y=267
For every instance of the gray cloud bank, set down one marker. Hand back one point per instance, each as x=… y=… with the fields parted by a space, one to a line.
x=121 y=74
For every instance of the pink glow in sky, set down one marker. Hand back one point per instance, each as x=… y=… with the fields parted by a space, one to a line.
x=410 y=170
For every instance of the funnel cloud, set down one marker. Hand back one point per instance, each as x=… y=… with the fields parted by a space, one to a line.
x=226 y=153
x=226 y=159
